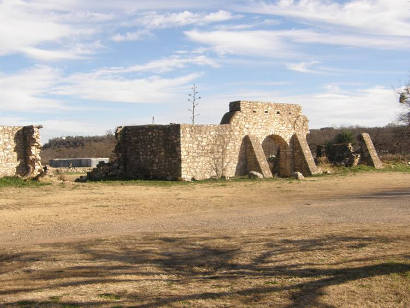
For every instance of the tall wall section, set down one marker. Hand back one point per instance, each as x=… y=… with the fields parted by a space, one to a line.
x=183 y=151
x=206 y=150
x=223 y=150
x=20 y=151
x=149 y=151
x=266 y=121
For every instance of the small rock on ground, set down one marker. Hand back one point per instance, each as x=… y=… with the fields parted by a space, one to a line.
x=298 y=176
x=255 y=175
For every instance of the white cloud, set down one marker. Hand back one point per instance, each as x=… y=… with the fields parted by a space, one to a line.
x=25 y=27
x=217 y=17
x=343 y=39
x=131 y=36
x=260 y=43
x=119 y=89
x=162 y=65
x=149 y=21
x=78 y=51
x=31 y=89
x=283 y=43
x=302 y=67
x=61 y=127
x=386 y=17
x=154 y=20
x=28 y=90
x=373 y=106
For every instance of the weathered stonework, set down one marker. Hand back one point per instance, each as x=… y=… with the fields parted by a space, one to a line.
x=20 y=151
x=368 y=152
x=253 y=136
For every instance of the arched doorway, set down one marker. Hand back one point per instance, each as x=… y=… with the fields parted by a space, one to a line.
x=277 y=152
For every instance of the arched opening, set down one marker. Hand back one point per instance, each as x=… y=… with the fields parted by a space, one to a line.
x=278 y=155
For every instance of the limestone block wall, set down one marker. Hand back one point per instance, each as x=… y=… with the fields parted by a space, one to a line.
x=369 y=154
x=204 y=151
x=256 y=158
x=279 y=122
x=20 y=151
x=149 y=151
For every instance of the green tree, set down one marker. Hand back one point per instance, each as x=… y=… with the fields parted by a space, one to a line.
x=345 y=136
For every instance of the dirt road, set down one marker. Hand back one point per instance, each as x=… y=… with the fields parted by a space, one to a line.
x=324 y=242
x=85 y=210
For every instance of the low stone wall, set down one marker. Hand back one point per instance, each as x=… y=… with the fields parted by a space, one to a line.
x=20 y=151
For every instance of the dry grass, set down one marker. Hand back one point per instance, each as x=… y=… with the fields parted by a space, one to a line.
x=333 y=241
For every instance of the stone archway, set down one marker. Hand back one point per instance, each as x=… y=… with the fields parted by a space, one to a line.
x=278 y=154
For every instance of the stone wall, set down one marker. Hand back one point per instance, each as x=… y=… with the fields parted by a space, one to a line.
x=20 y=151
x=149 y=151
x=368 y=152
x=206 y=150
x=249 y=135
x=270 y=123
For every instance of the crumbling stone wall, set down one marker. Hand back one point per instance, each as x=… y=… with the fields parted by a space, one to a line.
x=20 y=151
x=368 y=152
x=202 y=151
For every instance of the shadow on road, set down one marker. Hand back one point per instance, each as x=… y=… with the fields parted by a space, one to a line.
x=256 y=266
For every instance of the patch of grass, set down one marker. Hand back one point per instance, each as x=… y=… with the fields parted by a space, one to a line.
x=155 y=183
x=110 y=296
x=25 y=303
x=55 y=298
x=399 y=167
x=159 y=183
x=338 y=171
x=10 y=181
x=388 y=167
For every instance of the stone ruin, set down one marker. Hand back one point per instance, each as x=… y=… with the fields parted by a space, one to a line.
x=268 y=138
x=20 y=151
x=368 y=154
x=344 y=154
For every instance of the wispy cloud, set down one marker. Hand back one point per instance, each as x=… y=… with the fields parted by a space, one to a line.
x=127 y=90
x=160 y=66
x=26 y=27
x=333 y=106
x=131 y=36
x=155 y=20
x=31 y=89
x=303 y=67
x=28 y=90
x=149 y=21
x=283 y=43
x=376 y=17
x=260 y=43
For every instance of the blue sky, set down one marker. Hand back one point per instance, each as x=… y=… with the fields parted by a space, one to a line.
x=84 y=67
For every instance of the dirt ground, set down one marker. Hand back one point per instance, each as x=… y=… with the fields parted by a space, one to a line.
x=331 y=241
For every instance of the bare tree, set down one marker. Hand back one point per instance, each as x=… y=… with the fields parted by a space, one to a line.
x=194 y=100
x=405 y=100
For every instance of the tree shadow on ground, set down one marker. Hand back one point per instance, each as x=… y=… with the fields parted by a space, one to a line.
x=246 y=262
